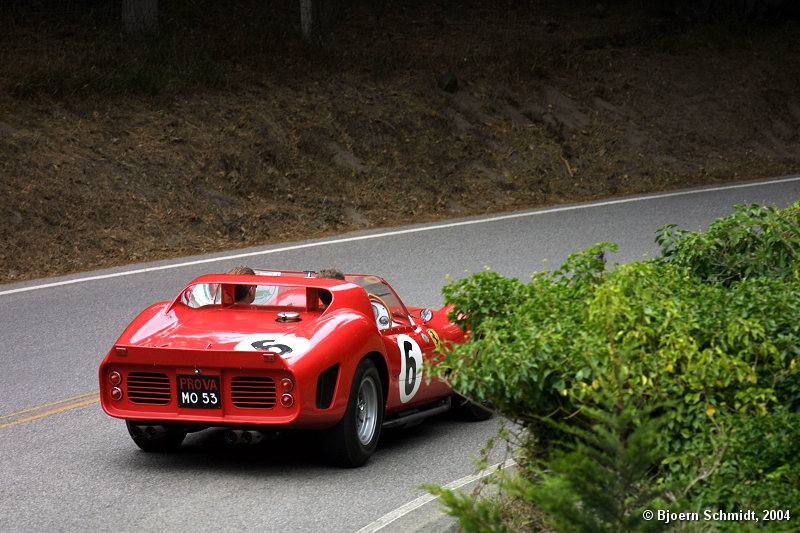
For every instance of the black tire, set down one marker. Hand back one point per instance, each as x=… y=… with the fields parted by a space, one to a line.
x=354 y=439
x=464 y=409
x=159 y=439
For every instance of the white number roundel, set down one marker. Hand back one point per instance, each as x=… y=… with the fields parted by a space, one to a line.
x=285 y=345
x=410 y=367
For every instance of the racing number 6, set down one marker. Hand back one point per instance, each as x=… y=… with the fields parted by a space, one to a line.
x=410 y=367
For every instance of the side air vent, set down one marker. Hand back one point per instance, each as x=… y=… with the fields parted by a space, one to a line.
x=148 y=387
x=326 y=386
x=253 y=392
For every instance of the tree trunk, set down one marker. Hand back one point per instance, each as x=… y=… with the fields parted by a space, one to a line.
x=140 y=16
x=307 y=18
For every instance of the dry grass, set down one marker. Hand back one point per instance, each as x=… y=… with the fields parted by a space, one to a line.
x=227 y=130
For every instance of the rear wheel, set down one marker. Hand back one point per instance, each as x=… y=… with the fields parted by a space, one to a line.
x=155 y=437
x=354 y=439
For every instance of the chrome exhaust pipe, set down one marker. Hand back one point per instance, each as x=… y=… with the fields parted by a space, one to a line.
x=243 y=436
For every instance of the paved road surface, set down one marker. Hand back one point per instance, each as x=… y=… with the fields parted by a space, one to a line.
x=66 y=466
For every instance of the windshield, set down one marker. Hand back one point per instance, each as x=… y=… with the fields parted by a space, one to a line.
x=209 y=294
x=375 y=286
x=206 y=294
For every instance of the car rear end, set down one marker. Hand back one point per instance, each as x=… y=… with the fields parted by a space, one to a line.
x=199 y=387
x=207 y=360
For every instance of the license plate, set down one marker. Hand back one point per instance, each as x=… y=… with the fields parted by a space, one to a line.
x=199 y=392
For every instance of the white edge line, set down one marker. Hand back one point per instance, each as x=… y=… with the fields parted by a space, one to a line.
x=413 y=505
x=392 y=233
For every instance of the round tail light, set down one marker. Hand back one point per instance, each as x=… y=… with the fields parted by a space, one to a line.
x=116 y=394
x=287 y=385
x=287 y=400
x=115 y=378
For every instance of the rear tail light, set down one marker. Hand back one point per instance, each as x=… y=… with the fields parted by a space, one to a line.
x=287 y=385
x=116 y=394
x=115 y=378
x=287 y=400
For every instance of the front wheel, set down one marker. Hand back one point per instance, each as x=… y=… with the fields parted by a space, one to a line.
x=155 y=438
x=465 y=409
x=354 y=439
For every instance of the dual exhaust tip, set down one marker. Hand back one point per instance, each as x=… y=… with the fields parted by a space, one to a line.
x=232 y=436
x=148 y=432
x=243 y=436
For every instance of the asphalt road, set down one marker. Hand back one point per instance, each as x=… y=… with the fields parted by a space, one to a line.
x=66 y=466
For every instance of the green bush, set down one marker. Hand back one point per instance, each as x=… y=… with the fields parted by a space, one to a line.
x=706 y=335
x=648 y=332
x=754 y=241
x=603 y=480
x=759 y=465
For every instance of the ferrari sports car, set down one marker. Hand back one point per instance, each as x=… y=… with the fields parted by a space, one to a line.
x=280 y=350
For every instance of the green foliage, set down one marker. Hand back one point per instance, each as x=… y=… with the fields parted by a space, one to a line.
x=754 y=241
x=707 y=332
x=759 y=464
x=602 y=481
x=650 y=332
x=474 y=515
x=520 y=334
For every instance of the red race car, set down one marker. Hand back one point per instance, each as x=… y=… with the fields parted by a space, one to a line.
x=274 y=350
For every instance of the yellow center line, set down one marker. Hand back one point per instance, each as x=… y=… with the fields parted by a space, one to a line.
x=78 y=397
x=50 y=412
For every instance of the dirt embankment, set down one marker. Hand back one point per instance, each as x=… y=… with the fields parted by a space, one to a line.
x=542 y=106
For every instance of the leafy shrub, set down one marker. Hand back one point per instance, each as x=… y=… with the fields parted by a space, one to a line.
x=600 y=481
x=754 y=241
x=706 y=334
x=649 y=332
x=603 y=480
x=759 y=464
x=474 y=515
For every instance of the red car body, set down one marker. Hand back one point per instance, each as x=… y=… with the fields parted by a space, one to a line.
x=286 y=360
